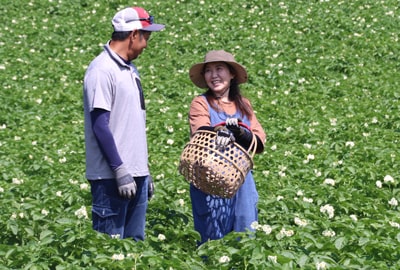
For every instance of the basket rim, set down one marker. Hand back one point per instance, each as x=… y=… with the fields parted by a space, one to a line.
x=251 y=155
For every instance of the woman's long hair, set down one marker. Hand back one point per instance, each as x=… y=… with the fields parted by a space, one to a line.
x=234 y=95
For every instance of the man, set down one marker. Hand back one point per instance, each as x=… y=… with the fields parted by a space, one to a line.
x=115 y=129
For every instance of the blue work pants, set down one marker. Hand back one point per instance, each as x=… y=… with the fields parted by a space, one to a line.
x=116 y=216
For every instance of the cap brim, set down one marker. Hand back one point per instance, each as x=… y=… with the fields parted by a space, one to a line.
x=154 y=27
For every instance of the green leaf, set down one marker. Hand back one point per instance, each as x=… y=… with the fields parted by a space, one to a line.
x=45 y=234
x=340 y=242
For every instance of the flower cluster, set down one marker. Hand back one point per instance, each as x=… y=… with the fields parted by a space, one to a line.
x=265 y=228
x=81 y=212
x=300 y=222
x=287 y=233
x=327 y=208
x=329 y=233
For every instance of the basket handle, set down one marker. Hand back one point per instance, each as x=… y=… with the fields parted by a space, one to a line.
x=253 y=146
x=239 y=123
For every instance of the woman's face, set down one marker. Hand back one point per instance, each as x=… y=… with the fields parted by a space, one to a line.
x=218 y=77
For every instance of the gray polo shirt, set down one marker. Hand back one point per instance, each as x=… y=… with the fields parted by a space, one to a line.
x=113 y=85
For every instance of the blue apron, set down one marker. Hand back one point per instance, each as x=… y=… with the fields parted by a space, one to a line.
x=214 y=217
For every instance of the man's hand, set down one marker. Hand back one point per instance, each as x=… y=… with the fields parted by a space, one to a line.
x=125 y=182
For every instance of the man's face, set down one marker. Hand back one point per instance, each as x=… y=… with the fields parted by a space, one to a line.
x=138 y=42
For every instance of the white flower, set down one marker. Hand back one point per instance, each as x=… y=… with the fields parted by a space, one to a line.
x=378 y=184
x=44 y=212
x=181 y=191
x=328 y=209
x=254 y=225
x=333 y=121
x=273 y=259
x=181 y=202
x=288 y=153
x=161 y=237
x=84 y=186
x=328 y=233
x=72 y=181
x=1 y=190
x=224 y=259
x=170 y=141
x=286 y=233
x=279 y=198
x=17 y=181
x=393 y=202
x=329 y=181
x=81 y=212
x=266 y=228
x=394 y=224
x=350 y=144
x=307 y=145
x=309 y=157
x=115 y=236
x=309 y=200
x=160 y=176
x=354 y=217
x=118 y=257
x=265 y=173
x=273 y=148
x=388 y=178
x=58 y=193
x=300 y=222
x=321 y=265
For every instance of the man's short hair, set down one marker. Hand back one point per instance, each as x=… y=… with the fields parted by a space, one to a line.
x=120 y=35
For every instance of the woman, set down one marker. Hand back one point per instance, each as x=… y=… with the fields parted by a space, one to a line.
x=220 y=75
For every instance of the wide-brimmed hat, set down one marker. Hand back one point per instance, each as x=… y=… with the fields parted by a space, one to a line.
x=196 y=71
x=134 y=18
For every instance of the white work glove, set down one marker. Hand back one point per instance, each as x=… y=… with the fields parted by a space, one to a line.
x=224 y=137
x=232 y=122
x=125 y=182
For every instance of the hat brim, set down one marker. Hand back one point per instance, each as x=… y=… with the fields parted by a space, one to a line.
x=154 y=27
x=197 y=76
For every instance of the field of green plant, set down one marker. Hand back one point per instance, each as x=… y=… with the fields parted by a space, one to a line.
x=323 y=78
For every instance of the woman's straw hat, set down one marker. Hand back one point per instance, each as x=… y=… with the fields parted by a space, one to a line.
x=196 y=71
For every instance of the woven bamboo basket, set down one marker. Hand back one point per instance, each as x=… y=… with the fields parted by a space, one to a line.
x=215 y=171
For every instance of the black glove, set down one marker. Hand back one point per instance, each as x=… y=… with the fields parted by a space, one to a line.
x=224 y=137
x=125 y=182
x=242 y=135
x=150 y=189
x=233 y=125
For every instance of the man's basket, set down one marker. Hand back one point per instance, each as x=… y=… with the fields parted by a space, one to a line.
x=215 y=171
